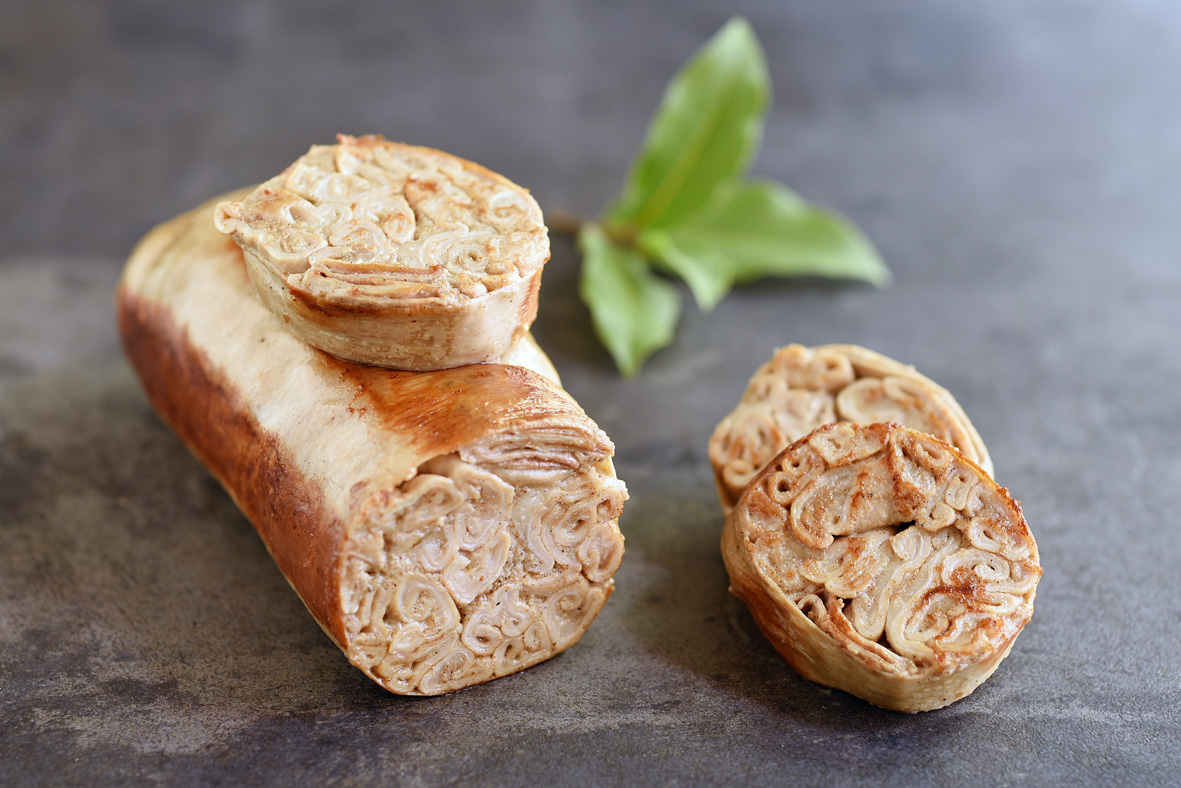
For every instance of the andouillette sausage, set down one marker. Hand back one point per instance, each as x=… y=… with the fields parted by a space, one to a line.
x=444 y=528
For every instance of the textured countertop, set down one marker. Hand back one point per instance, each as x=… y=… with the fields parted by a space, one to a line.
x=1017 y=163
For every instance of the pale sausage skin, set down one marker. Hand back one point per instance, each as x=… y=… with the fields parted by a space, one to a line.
x=444 y=528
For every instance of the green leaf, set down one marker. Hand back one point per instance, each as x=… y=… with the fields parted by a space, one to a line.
x=704 y=134
x=709 y=276
x=635 y=312
x=762 y=228
x=685 y=207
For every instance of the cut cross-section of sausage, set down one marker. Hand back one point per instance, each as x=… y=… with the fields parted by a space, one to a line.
x=444 y=528
x=880 y=561
x=801 y=388
x=394 y=255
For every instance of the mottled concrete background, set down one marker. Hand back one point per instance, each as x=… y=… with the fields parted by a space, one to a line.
x=1019 y=165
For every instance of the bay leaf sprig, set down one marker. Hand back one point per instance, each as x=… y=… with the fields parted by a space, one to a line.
x=688 y=210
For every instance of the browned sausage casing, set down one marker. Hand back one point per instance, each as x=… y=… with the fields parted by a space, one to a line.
x=444 y=528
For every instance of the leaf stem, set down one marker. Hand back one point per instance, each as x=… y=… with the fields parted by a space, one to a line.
x=623 y=233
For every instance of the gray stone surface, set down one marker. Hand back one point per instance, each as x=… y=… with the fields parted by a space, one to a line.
x=1019 y=165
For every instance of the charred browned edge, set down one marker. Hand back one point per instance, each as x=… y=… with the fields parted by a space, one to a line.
x=445 y=409
x=203 y=408
x=449 y=408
